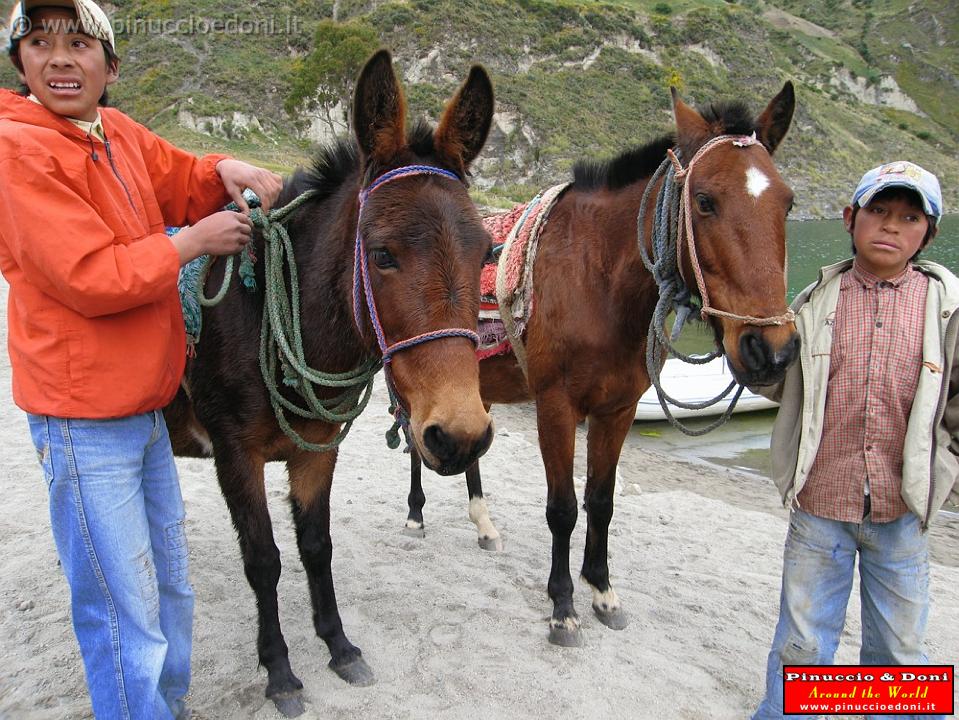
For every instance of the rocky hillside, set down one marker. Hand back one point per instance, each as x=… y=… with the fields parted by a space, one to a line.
x=876 y=79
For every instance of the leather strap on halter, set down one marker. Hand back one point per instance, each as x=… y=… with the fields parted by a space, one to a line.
x=685 y=229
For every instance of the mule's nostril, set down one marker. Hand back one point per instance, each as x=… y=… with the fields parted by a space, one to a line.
x=752 y=349
x=482 y=445
x=439 y=443
x=788 y=353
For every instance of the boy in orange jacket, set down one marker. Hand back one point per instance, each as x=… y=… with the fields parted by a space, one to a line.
x=96 y=339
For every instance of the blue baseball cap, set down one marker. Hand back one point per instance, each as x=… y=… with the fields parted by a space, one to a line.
x=901 y=173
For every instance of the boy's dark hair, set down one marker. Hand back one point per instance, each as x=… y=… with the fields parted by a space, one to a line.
x=899 y=193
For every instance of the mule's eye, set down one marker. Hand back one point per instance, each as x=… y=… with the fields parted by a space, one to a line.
x=382 y=258
x=704 y=204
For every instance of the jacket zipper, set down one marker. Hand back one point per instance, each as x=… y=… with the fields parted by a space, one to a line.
x=116 y=172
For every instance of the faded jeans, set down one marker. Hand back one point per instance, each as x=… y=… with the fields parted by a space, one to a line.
x=117 y=517
x=818 y=565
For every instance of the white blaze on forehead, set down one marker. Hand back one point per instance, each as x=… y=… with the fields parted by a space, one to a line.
x=756 y=182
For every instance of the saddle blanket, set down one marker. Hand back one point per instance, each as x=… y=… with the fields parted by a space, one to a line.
x=515 y=234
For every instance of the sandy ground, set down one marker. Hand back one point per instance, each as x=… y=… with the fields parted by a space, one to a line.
x=450 y=630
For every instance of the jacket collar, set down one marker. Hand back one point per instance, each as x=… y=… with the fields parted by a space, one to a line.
x=17 y=108
x=948 y=283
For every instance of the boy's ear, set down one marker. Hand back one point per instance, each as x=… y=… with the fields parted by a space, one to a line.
x=847 y=218
x=113 y=71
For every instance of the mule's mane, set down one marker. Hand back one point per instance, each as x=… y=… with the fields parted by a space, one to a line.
x=639 y=163
x=334 y=163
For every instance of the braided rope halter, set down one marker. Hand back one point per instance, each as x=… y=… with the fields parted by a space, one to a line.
x=363 y=295
x=672 y=225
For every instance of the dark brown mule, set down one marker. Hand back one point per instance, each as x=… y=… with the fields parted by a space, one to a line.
x=425 y=244
x=593 y=301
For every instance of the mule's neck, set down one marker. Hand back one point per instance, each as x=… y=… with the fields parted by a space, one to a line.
x=632 y=292
x=323 y=241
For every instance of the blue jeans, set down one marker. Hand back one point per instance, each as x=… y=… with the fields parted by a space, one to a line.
x=117 y=518
x=818 y=565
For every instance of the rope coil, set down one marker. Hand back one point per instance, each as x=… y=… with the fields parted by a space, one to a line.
x=281 y=341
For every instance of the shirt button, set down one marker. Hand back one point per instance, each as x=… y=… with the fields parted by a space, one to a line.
x=945 y=313
x=868 y=447
x=879 y=323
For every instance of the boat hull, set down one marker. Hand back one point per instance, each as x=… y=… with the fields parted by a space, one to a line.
x=697 y=384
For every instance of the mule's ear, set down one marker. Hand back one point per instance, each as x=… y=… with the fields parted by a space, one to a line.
x=772 y=125
x=379 y=109
x=466 y=121
x=691 y=129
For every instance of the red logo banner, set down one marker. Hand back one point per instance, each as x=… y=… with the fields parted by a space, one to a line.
x=868 y=689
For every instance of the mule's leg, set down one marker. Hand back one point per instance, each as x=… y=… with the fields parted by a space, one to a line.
x=241 y=480
x=604 y=443
x=488 y=535
x=311 y=476
x=556 y=424
x=417 y=498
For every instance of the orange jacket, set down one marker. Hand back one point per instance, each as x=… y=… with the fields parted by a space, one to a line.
x=94 y=323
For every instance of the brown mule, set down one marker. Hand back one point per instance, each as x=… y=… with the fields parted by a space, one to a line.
x=594 y=299
x=425 y=245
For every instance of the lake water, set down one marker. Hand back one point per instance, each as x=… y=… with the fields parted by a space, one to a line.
x=743 y=443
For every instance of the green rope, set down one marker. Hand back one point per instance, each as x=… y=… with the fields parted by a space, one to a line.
x=281 y=340
x=247 y=258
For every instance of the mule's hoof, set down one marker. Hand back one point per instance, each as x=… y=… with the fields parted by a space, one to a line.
x=616 y=619
x=289 y=704
x=414 y=529
x=566 y=634
x=355 y=672
x=283 y=687
x=494 y=544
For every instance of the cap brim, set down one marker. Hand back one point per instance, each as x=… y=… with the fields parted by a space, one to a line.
x=867 y=196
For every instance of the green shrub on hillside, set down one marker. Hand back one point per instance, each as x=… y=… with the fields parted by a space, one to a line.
x=326 y=76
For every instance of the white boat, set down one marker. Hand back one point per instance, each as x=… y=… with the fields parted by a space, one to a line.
x=696 y=384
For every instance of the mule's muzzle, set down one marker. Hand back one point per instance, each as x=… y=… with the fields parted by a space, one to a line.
x=760 y=363
x=446 y=455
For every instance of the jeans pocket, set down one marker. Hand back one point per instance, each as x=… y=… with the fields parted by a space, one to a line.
x=177 y=553
x=40 y=434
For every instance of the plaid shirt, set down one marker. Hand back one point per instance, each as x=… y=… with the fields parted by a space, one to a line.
x=873 y=374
